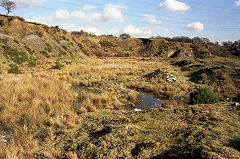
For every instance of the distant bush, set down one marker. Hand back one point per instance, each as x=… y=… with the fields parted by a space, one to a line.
x=203 y=96
x=16 y=41
x=106 y=44
x=82 y=33
x=4 y=41
x=45 y=53
x=14 y=69
x=32 y=63
x=124 y=36
x=57 y=66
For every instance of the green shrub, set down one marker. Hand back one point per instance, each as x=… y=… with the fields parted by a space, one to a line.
x=57 y=66
x=16 y=41
x=45 y=53
x=203 y=96
x=16 y=56
x=4 y=41
x=32 y=63
x=14 y=69
x=20 y=57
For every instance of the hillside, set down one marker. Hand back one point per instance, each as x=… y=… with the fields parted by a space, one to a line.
x=28 y=43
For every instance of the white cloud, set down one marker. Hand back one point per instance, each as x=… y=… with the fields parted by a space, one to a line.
x=64 y=14
x=237 y=3
x=88 y=7
x=113 y=13
x=149 y=18
x=137 y=31
x=78 y=14
x=74 y=27
x=91 y=17
x=27 y=3
x=43 y=20
x=197 y=27
x=110 y=13
x=70 y=27
x=166 y=30
x=173 y=5
x=93 y=30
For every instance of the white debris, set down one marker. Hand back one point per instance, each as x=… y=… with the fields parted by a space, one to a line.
x=171 y=78
x=6 y=137
x=237 y=104
x=137 y=110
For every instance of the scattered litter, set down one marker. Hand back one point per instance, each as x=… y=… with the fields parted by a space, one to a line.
x=137 y=110
x=6 y=137
x=237 y=104
x=171 y=78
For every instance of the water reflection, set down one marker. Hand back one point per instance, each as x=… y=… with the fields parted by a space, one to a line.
x=147 y=101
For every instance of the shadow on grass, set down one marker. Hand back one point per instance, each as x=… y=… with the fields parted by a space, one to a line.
x=101 y=133
x=180 y=153
x=235 y=144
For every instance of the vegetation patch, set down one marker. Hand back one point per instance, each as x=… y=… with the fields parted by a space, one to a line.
x=32 y=62
x=203 y=96
x=16 y=56
x=45 y=53
x=106 y=44
x=14 y=69
x=4 y=41
x=57 y=66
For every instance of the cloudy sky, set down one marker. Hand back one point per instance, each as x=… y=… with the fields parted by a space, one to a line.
x=218 y=20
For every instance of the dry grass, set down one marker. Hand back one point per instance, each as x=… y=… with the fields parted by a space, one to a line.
x=33 y=103
x=48 y=118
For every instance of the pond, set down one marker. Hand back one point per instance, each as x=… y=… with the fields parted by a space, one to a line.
x=81 y=89
x=147 y=101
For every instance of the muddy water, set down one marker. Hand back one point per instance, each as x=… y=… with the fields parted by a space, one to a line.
x=147 y=101
x=81 y=89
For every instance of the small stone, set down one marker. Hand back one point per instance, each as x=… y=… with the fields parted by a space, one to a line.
x=137 y=110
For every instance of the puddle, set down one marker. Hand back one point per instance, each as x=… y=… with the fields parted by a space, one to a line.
x=147 y=101
x=81 y=89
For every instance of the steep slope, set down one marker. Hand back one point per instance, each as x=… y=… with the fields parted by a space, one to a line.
x=29 y=44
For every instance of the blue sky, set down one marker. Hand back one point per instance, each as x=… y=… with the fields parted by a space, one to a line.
x=218 y=20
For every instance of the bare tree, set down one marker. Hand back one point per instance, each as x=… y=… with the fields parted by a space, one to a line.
x=124 y=36
x=8 y=5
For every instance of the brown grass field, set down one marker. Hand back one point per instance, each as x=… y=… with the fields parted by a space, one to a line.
x=46 y=118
